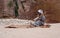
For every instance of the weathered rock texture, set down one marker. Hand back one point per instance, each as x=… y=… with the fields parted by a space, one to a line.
x=1 y=7
x=28 y=9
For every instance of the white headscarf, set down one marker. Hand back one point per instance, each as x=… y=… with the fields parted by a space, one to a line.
x=40 y=11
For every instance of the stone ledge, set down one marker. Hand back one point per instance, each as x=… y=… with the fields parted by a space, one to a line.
x=14 y=21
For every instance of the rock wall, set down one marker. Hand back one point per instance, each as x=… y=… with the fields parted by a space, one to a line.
x=8 y=11
x=51 y=10
x=28 y=9
x=1 y=7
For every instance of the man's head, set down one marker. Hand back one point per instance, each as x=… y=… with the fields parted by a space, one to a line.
x=40 y=11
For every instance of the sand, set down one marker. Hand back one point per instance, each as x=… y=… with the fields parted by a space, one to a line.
x=36 y=32
x=52 y=32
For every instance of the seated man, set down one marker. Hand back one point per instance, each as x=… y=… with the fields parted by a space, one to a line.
x=40 y=19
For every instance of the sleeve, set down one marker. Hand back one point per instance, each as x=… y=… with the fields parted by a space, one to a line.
x=36 y=18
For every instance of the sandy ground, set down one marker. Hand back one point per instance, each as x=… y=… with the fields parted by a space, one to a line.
x=37 y=32
x=52 y=32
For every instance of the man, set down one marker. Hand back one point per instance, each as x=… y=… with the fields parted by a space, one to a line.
x=40 y=19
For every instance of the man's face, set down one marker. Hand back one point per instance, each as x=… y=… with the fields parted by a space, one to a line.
x=39 y=15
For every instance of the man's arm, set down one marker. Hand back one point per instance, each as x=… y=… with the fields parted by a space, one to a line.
x=36 y=19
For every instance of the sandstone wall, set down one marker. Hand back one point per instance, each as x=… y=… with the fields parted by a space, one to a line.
x=28 y=9
x=8 y=11
x=1 y=7
x=50 y=7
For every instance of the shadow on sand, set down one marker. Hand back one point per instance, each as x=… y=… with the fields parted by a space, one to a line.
x=27 y=26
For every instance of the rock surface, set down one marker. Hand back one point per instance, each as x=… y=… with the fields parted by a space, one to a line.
x=52 y=9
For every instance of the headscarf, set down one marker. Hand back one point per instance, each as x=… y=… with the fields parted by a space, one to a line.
x=40 y=11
